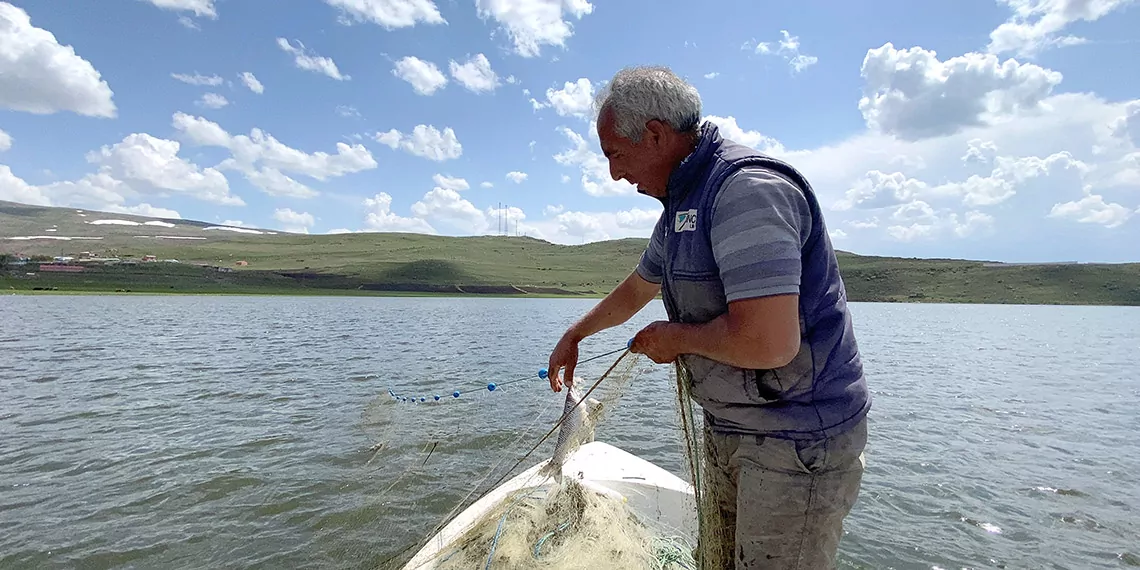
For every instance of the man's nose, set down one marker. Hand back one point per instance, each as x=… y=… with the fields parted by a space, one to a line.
x=616 y=172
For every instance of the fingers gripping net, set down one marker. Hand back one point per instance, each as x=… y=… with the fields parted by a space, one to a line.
x=537 y=523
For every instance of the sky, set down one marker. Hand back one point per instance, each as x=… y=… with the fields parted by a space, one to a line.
x=1004 y=130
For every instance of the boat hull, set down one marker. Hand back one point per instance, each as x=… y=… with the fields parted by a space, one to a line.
x=661 y=501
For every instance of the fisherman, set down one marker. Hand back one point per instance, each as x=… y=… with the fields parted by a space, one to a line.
x=758 y=319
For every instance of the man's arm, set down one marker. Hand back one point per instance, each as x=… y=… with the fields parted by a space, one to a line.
x=616 y=308
x=757 y=333
x=759 y=223
x=636 y=291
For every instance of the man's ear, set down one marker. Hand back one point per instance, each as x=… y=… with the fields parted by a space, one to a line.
x=655 y=132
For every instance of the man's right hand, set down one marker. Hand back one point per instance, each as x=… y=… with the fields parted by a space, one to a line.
x=565 y=355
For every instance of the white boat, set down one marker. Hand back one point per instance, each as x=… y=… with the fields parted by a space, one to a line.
x=659 y=499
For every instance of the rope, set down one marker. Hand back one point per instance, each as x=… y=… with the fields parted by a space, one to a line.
x=545 y=537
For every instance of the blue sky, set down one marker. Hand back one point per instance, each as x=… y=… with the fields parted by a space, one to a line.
x=991 y=129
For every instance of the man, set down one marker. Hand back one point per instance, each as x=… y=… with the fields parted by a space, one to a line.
x=757 y=317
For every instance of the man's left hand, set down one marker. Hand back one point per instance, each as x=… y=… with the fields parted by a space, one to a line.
x=660 y=341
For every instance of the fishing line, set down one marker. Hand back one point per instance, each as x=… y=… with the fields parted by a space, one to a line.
x=563 y=418
x=492 y=386
x=542 y=373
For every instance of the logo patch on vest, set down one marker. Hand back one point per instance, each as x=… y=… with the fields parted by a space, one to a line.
x=686 y=221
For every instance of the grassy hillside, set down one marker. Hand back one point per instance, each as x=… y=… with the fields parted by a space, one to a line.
x=393 y=263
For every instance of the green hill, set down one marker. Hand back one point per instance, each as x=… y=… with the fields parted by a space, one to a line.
x=243 y=260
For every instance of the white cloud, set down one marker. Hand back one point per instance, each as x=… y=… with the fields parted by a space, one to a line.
x=147 y=210
x=263 y=159
x=1066 y=163
x=516 y=176
x=14 y=189
x=145 y=162
x=1092 y=209
x=476 y=74
x=198 y=79
x=252 y=83
x=565 y=179
x=40 y=76
x=596 y=179
x=1127 y=127
x=789 y=49
x=575 y=99
x=450 y=183
x=1035 y=25
x=294 y=222
x=199 y=7
x=531 y=24
x=575 y=226
x=381 y=219
x=712 y=75
x=147 y=165
x=423 y=76
x=551 y=210
x=911 y=94
x=755 y=139
x=879 y=189
x=276 y=183
x=311 y=62
x=446 y=208
x=390 y=14
x=923 y=222
x=212 y=101
x=425 y=141
x=510 y=221
x=979 y=151
x=5 y=141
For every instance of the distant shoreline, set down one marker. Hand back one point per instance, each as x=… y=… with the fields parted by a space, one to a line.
x=395 y=264
x=472 y=296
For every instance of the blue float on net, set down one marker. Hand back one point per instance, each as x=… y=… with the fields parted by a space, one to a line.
x=491 y=387
x=629 y=344
x=423 y=399
x=437 y=397
x=542 y=373
x=455 y=394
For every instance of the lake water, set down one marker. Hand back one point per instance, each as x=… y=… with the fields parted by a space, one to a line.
x=238 y=432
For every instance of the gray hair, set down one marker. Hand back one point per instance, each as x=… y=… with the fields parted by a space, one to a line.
x=637 y=95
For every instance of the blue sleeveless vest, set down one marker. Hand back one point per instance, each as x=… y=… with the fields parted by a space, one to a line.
x=822 y=391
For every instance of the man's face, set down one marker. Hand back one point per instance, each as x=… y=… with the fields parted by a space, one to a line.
x=642 y=164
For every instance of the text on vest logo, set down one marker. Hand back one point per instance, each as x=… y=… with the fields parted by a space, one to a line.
x=686 y=221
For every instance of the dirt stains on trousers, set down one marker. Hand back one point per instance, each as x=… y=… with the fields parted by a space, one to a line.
x=779 y=504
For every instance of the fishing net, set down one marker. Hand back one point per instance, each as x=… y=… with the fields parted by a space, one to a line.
x=716 y=525
x=527 y=519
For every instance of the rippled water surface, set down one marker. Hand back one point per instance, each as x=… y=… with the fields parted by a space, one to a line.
x=240 y=432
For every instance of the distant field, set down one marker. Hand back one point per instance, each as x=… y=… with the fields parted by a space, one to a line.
x=395 y=263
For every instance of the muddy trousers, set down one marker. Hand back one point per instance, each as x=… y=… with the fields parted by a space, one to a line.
x=778 y=504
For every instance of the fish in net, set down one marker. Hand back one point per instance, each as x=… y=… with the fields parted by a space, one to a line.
x=538 y=519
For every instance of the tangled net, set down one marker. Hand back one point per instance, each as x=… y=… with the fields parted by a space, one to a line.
x=569 y=528
x=548 y=525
